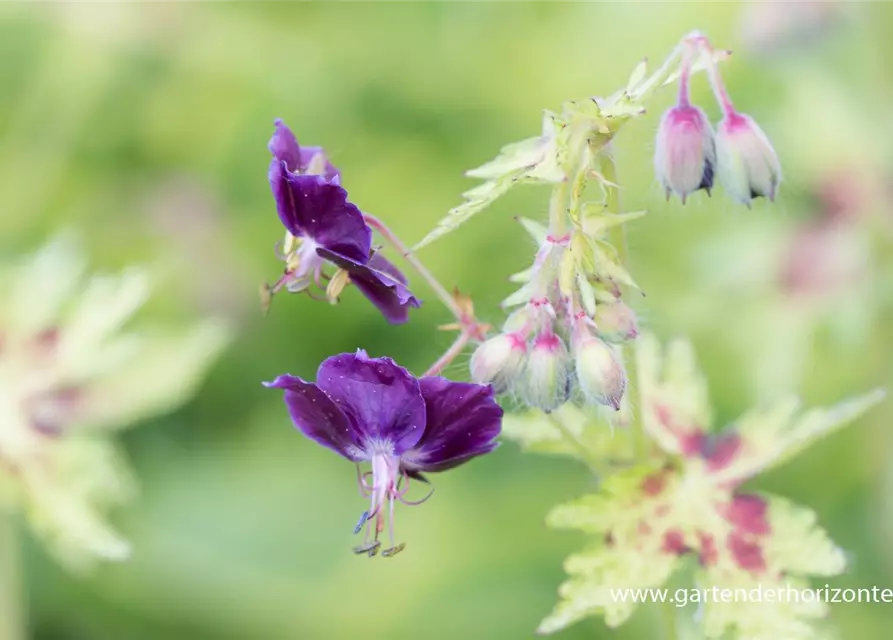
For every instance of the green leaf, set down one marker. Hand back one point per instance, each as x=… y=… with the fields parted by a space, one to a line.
x=522 y=276
x=521 y=296
x=479 y=199
x=601 y=576
x=536 y=432
x=66 y=500
x=795 y=548
x=608 y=267
x=636 y=77
x=537 y=230
x=587 y=295
x=774 y=435
x=760 y=619
x=798 y=545
x=166 y=372
x=671 y=385
x=513 y=158
x=599 y=221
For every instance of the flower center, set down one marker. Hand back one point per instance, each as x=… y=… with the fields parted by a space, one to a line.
x=303 y=266
x=383 y=493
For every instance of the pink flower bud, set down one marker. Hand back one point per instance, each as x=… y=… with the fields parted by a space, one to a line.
x=747 y=165
x=600 y=374
x=684 y=155
x=616 y=322
x=547 y=375
x=499 y=361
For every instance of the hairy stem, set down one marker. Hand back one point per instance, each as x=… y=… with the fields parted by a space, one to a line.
x=558 y=210
x=12 y=617
x=585 y=455
x=618 y=239
x=449 y=355
x=661 y=74
x=684 y=74
x=668 y=622
x=420 y=268
x=716 y=83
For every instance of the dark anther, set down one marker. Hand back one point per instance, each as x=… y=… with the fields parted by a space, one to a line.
x=387 y=553
x=362 y=521
x=371 y=548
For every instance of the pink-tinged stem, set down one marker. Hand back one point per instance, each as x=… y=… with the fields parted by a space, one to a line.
x=444 y=361
x=421 y=269
x=716 y=83
x=684 y=74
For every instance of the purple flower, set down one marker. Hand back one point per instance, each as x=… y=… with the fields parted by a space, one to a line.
x=318 y=213
x=303 y=160
x=323 y=226
x=372 y=410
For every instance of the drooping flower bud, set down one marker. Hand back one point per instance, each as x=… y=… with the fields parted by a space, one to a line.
x=547 y=375
x=747 y=165
x=684 y=154
x=616 y=322
x=600 y=374
x=499 y=361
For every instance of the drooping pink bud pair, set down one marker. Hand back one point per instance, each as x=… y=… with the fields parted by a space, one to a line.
x=688 y=155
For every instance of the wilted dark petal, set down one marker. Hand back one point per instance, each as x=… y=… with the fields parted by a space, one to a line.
x=380 y=398
x=318 y=417
x=309 y=206
x=381 y=282
x=462 y=422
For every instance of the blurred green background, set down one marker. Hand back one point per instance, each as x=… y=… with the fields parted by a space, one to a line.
x=144 y=126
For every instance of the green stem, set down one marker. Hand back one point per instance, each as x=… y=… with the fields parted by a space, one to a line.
x=618 y=239
x=12 y=617
x=448 y=300
x=558 y=210
x=583 y=452
x=668 y=622
x=444 y=361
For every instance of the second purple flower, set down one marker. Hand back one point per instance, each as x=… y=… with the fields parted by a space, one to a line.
x=372 y=410
x=324 y=228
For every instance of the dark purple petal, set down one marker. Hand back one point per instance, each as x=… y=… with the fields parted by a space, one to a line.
x=318 y=417
x=380 y=263
x=380 y=398
x=462 y=422
x=285 y=148
x=381 y=282
x=308 y=206
x=282 y=194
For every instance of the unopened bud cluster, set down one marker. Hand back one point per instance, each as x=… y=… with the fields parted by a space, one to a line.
x=565 y=339
x=552 y=346
x=688 y=155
